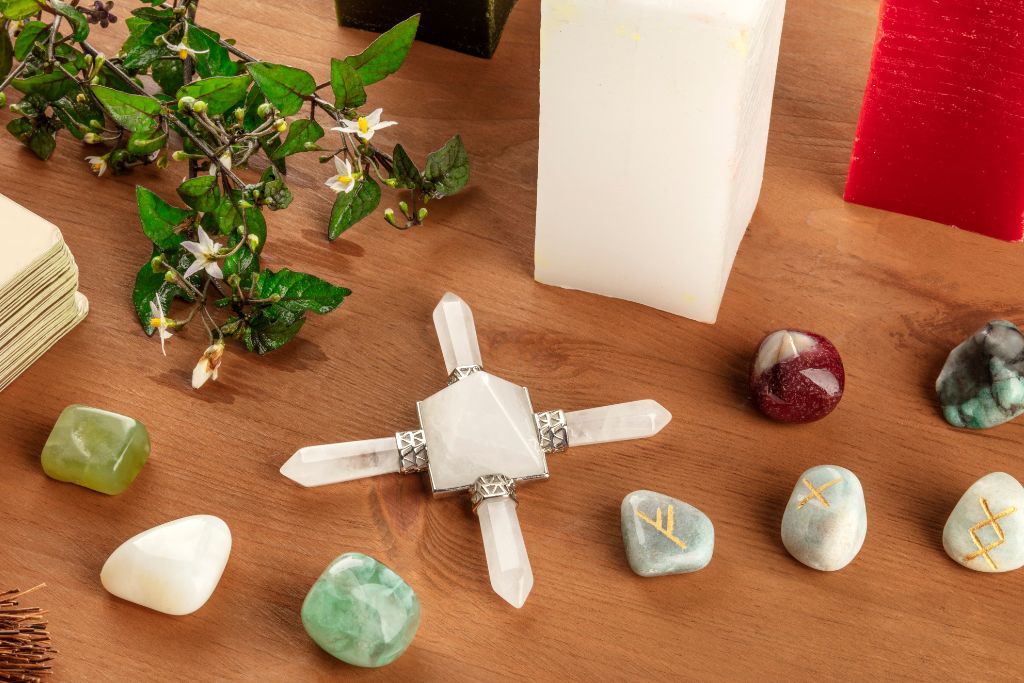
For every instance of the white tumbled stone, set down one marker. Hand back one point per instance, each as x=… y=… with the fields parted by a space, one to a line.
x=172 y=568
x=826 y=520
x=985 y=531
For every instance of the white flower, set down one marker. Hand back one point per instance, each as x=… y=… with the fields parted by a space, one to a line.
x=97 y=164
x=206 y=252
x=345 y=178
x=160 y=322
x=208 y=365
x=225 y=159
x=183 y=50
x=365 y=126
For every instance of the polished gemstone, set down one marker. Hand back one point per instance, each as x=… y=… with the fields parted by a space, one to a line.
x=982 y=383
x=985 y=531
x=826 y=519
x=664 y=536
x=337 y=462
x=456 y=333
x=172 y=568
x=507 y=562
x=796 y=376
x=361 y=612
x=96 y=449
x=480 y=425
x=634 y=420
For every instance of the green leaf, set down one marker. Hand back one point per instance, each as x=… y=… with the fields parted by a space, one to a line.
x=137 y=113
x=219 y=92
x=242 y=263
x=284 y=86
x=52 y=86
x=405 y=171
x=352 y=207
x=276 y=194
x=385 y=55
x=255 y=224
x=300 y=291
x=146 y=142
x=154 y=14
x=448 y=168
x=160 y=220
x=201 y=193
x=169 y=74
x=6 y=50
x=145 y=45
x=151 y=285
x=77 y=116
x=39 y=135
x=216 y=61
x=19 y=9
x=79 y=24
x=30 y=33
x=347 y=86
x=271 y=329
x=301 y=132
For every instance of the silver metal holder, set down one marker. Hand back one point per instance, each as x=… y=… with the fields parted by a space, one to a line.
x=462 y=372
x=551 y=430
x=492 y=486
x=412 y=451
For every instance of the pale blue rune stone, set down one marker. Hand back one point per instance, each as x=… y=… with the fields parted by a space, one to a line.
x=664 y=535
x=826 y=519
x=985 y=531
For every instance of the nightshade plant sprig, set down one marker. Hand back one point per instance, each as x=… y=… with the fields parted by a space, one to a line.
x=177 y=91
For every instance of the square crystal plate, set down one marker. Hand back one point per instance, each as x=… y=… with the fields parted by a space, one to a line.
x=480 y=425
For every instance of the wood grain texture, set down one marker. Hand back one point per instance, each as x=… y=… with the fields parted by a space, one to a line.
x=893 y=293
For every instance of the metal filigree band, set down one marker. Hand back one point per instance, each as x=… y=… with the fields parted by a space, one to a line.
x=493 y=486
x=551 y=430
x=412 y=451
x=462 y=372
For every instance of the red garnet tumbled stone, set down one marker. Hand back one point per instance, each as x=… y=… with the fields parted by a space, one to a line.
x=796 y=376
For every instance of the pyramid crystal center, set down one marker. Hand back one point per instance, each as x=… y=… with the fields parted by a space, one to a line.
x=480 y=425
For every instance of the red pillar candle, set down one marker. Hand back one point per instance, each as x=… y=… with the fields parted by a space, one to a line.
x=941 y=133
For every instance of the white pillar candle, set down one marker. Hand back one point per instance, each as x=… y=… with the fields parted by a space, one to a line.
x=653 y=125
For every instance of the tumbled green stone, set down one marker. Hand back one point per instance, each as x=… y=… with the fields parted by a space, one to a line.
x=361 y=612
x=982 y=382
x=97 y=449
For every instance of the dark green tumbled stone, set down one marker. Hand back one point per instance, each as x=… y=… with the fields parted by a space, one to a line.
x=361 y=612
x=982 y=382
x=470 y=26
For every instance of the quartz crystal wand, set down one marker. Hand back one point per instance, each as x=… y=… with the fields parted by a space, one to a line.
x=479 y=435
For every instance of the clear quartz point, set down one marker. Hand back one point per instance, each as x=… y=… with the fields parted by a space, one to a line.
x=457 y=333
x=507 y=561
x=620 y=422
x=338 y=462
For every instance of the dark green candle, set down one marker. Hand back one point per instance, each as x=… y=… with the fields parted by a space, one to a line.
x=470 y=26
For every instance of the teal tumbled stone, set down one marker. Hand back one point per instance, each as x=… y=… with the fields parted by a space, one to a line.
x=361 y=612
x=982 y=382
x=97 y=449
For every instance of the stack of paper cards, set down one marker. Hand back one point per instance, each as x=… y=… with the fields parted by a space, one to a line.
x=39 y=298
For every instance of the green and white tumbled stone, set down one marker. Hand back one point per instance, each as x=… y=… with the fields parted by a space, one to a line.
x=361 y=612
x=826 y=519
x=985 y=531
x=97 y=449
x=664 y=536
x=982 y=382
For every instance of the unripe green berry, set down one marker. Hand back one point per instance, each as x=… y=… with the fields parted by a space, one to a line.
x=264 y=109
x=199 y=107
x=170 y=277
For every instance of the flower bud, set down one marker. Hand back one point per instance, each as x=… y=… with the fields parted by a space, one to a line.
x=264 y=109
x=422 y=214
x=186 y=103
x=239 y=115
x=254 y=242
x=92 y=139
x=81 y=98
x=280 y=125
x=180 y=155
x=234 y=280
x=95 y=80
x=157 y=264
x=242 y=204
x=310 y=146
x=3 y=100
x=96 y=125
x=274 y=298
x=16 y=108
x=199 y=107
x=391 y=182
x=405 y=209
x=389 y=216
x=170 y=277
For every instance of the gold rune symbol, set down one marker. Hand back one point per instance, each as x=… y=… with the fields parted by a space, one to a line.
x=666 y=530
x=983 y=550
x=816 y=493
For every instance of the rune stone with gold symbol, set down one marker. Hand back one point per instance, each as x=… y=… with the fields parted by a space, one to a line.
x=479 y=436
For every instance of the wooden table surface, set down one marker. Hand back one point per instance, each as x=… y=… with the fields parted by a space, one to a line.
x=893 y=293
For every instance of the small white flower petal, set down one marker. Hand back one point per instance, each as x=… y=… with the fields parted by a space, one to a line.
x=196 y=266
x=193 y=248
x=214 y=271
